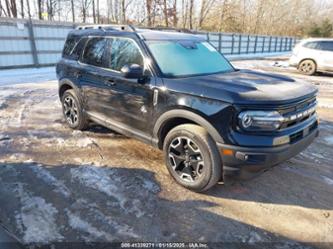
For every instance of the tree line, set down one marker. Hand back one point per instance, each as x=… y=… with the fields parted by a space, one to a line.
x=268 y=17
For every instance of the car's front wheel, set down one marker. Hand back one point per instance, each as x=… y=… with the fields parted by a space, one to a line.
x=73 y=111
x=192 y=157
x=307 y=67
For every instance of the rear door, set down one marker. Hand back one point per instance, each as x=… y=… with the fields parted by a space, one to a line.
x=92 y=76
x=326 y=55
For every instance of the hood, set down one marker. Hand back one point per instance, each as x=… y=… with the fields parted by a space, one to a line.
x=244 y=87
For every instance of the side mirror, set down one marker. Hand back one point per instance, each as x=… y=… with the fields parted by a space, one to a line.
x=133 y=71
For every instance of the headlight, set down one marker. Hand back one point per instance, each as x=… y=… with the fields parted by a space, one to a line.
x=260 y=120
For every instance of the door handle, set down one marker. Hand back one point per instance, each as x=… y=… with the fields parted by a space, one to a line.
x=110 y=82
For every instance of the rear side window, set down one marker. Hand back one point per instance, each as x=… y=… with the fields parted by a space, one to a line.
x=325 y=45
x=312 y=45
x=123 y=52
x=94 y=53
x=70 y=45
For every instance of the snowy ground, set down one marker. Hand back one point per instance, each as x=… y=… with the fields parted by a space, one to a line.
x=59 y=185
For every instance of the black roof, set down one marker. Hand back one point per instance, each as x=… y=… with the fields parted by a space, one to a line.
x=145 y=34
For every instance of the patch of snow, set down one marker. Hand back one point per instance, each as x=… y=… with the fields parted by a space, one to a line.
x=46 y=176
x=77 y=133
x=280 y=64
x=328 y=180
x=99 y=179
x=121 y=229
x=254 y=237
x=84 y=142
x=28 y=75
x=255 y=55
x=37 y=219
x=329 y=140
x=150 y=186
x=317 y=155
x=18 y=156
x=77 y=223
x=325 y=104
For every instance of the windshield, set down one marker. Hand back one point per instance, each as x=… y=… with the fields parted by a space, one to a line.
x=186 y=58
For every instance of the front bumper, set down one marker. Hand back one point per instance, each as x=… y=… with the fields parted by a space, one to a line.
x=245 y=162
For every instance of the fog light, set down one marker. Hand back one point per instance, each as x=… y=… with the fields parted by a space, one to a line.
x=281 y=140
x=241 y=156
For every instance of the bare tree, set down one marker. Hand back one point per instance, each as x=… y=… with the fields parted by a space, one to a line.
x=174 y=13
x=22 y=8
x=39 y=4
x=165 y=10
x=98 y=15
x=191 y=13
x=94 y=11
x=11 y=8
x=73 y=10
x=84 y=9
x=29 y=12
x=149 y=6
x=204 y=10
x=123 y=11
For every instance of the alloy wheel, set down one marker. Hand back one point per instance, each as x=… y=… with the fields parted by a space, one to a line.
x=71 y=110
x=307 y=67
x=186 y=159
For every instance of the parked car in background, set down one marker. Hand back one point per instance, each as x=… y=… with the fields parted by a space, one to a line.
x=313 y=55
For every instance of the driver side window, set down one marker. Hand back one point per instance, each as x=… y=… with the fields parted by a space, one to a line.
x=123 y=52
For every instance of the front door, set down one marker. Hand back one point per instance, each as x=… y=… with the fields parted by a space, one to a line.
x=109 y=96
x=130 y=100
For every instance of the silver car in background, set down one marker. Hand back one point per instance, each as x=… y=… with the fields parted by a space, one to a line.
x=313 y=55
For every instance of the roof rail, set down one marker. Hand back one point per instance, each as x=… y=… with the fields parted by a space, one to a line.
x=170 y=29
x=106 y=27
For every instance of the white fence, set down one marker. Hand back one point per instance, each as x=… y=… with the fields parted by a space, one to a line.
x=39 y=43
x=24 y=44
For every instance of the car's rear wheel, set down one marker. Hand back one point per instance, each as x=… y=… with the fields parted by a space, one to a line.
x=73 y=111
x=307 y=67
x=192 y=157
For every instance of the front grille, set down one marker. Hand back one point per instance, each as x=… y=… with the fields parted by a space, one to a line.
x=298 y=113
x=300 y=134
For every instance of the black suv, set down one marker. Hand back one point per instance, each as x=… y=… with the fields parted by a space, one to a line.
x=176 y=92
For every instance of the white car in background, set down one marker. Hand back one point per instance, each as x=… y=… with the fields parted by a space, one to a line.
x=313 y=55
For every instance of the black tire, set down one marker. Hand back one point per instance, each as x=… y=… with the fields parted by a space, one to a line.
x=307 y=67
x=203 y=176
x=77 y=119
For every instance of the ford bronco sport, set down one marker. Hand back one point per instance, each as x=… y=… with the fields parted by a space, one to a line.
x=176 y=92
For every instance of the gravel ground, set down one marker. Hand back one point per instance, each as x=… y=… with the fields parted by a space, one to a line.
x=59 y=185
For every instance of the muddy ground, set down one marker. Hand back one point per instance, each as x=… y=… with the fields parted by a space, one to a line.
x=59 y=185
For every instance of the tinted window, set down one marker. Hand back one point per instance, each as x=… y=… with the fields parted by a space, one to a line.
x=325 y=45
x=94 y=53
x=312 y=45
x=70 y=45
x=123 y=52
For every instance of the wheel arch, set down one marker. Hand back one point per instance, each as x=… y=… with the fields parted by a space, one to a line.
x=66 y=84
x=310 y=59
x=173 y=118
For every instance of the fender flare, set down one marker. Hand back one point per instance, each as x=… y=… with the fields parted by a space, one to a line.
x=180 y=113
x=68 y=82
